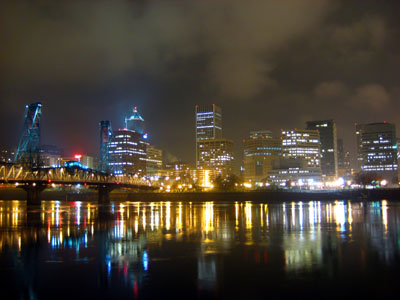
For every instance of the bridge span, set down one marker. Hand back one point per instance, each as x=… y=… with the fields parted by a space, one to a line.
x=35 y=180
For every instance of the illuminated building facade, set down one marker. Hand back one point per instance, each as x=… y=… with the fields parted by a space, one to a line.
x=87 y=161
x=296 y=176
x=264 y=134
x=359 y=131
x=208 y=124
x=328 y=139
x=302 y=144
x=154 y=161
x=260 y=151
x=344 y=169
x=290 y=172
x=127 y=152
x=377 y=149
x=216 y=155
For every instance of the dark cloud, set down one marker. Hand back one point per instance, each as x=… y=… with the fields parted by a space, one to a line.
x=269 y=64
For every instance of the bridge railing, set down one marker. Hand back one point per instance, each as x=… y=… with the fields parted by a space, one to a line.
x=11 y=172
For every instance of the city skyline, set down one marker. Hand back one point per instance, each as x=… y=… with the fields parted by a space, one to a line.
x=210 y=149
x=346 y=70
x=240 y=159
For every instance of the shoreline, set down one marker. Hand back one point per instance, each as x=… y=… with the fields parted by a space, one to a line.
x=259 y=195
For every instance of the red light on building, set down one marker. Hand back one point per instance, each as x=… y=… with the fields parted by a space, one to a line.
x=78 y=157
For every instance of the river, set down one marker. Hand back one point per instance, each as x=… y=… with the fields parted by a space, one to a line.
x=199 y=250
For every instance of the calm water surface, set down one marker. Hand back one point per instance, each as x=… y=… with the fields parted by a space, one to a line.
x=199 y=250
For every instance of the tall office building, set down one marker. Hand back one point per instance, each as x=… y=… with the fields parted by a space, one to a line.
x=208 y=124
x=127 y=152
x=154 y=161
x=260 y=151
x=216 y=155
x=302 y=144
x=343 y=160
x=127 y=148
x=328 y=138
x=377 y=149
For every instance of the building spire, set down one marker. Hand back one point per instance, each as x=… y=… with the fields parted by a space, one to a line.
x=135 y=122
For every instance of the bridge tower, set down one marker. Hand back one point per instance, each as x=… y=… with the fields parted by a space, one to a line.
x=105 y=139
x=28 y=152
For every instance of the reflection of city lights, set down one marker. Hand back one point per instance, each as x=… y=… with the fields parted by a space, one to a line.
x=179 y=217
x=216 y=225
x=208 y=216
x=247 y=212
x=145 y=260
x=236 y=214
x=384 y=214
x=339 y=213
x=293 y=214
x=301 y=215
x=168 y=216
x=349 y=215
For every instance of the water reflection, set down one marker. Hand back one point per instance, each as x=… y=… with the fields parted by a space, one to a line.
x=137 y=246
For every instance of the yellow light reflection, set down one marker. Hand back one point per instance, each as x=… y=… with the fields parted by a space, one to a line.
x=384 y=215
x=236 y=215
x=168 y=216
x=248 y=215
x=208 y=216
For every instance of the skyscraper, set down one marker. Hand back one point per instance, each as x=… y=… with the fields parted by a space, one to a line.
x=359 y=158
x=343 y=160
x=260 y=151
x=127 y=148
x=105 y=139
x=328 y=138
x=135 y=122
x=302 y=144
x=127 y=153
x=208 y=124
x=154 y=160
x=377 y=149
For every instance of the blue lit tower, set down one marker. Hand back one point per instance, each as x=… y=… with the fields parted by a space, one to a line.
x=28 y=152
x=127 y=150
x=105 y=139
x=135 y=122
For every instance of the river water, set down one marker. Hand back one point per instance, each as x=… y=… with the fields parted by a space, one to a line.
x=199 y=250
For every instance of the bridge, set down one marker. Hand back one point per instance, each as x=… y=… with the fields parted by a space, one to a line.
x=27 y=171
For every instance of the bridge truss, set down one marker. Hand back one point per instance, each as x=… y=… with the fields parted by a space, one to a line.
x=11 y=173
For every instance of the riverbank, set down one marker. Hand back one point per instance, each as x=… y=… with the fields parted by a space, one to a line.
x=261 y=195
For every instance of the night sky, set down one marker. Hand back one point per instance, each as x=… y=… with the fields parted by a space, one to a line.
x=268 y=64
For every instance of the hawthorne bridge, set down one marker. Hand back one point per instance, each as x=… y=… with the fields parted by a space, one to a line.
x=27 y=170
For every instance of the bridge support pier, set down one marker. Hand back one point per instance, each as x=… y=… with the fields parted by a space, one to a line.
x=33 y=191
x=104 y=193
